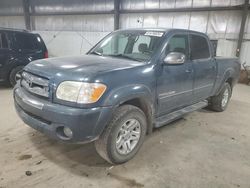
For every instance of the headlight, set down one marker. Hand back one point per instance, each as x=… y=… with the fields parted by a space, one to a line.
x=80 y=92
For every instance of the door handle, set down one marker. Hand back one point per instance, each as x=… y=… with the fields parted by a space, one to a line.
x=188 y=71
x=213 y=67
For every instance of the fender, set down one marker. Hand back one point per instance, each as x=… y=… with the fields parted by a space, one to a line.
x=229 y=73
x=14 y=62
x=134 y=91
x=122 y=94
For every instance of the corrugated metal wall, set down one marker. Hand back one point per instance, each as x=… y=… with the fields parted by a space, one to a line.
x=80 y=32
x=222 y=24
x=45 y=6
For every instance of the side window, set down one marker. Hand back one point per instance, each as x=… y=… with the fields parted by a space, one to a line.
x=27 y=41
x=199 y=47
x=178 y=43
x=3 y=41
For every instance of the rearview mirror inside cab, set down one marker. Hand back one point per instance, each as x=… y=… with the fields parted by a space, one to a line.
x=175 y=58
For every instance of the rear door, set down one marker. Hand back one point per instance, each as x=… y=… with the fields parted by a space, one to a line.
x=204 y=66
x=175 y=82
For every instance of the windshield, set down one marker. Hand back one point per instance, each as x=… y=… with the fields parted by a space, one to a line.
x=138 y=46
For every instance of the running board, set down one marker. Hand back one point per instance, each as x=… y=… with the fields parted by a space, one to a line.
x=163 y=120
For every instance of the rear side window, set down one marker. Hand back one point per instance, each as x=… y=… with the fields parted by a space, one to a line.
x=178 y=43
x=199 y=47
x=3 y=41
x=27 y=41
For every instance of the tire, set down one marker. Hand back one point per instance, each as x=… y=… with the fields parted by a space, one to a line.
x=216 y=102
x=13 y=75
x=107 y=145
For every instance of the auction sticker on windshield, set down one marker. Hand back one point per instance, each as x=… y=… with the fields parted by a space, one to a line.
x=154 y=33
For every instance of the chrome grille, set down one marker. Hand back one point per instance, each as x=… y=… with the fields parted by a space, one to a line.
x=35 y=84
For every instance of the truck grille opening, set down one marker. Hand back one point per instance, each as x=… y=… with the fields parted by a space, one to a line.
x=34 y=116
x=35 y=84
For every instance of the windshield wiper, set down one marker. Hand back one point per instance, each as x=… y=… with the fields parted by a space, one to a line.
x=96 y=53
x=124 y=56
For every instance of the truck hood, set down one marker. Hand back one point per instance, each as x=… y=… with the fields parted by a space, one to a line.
x=78 y=67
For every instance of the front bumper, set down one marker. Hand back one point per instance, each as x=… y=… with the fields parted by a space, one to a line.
x=50 y=118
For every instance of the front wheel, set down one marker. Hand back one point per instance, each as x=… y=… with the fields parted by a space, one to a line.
x=124 y=135
x=219 y=102
x=15 y=75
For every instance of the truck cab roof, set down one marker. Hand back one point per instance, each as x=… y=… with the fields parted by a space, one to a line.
x=162 y=29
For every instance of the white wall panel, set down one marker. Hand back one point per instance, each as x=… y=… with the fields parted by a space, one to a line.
x=152 y=4
x=217 y=22
x=77 y=23
x=137 y=4
x=48 y=6
x=181 y=20
x=150 y=20
x=245 y=55
x=11 y=6
x=216 y=3
x=201 y=3
x=183 y=3
x=198 y=21
x=233 y=25
x=66 y=43
x=131 y=21
x=166 y=20
x=167 y=4
x=12 y=22
x=247 y=29
x=236 y=2
x=226 y=48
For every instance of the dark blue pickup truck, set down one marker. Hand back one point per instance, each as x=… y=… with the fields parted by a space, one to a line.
x=129 y=83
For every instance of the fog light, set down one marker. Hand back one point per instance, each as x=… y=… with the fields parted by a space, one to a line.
x=67 y=131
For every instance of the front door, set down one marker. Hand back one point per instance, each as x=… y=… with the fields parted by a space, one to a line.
x=175 y=82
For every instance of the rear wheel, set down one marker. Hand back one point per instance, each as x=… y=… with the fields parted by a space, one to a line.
x=124 y=135
x=15 y=75
x=220 y=102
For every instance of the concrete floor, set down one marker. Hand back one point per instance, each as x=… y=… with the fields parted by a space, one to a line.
x=204 y=149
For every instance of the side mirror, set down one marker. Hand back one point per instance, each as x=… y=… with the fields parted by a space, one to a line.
x=99 y=50
x=175 y=58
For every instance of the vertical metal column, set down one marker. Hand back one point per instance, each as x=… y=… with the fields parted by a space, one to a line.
x=242 y=27
x=26 y=5
x=116 y=14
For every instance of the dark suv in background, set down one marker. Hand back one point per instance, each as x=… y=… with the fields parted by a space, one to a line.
x=17 y=49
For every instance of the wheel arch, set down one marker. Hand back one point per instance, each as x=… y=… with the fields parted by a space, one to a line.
x=146 y=107
x=230 y=81
x=138 y=95
x=12 y=64
x=229 y=78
